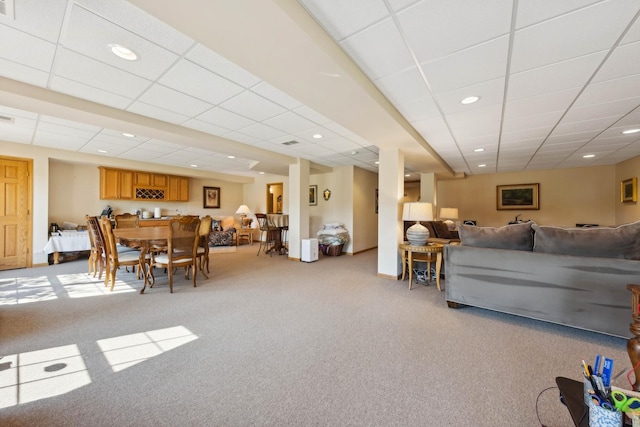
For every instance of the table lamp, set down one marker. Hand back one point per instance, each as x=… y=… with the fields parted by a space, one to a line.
x=447 y=215
x=243 y=211
x=417 y=234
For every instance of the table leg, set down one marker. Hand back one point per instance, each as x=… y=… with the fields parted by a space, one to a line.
x=404 y=263
x=438 y=265
x=143 y=266
x=56 y=257
x=410 y=269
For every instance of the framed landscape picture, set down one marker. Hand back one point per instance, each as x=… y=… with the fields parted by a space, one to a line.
x=518 y=197
x=629 y=190
x=211 y=197
x=313 y=195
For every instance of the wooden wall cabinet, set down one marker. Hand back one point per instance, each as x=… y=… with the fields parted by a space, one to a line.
x=142 y=186
x=116 y=184
x=178 y=188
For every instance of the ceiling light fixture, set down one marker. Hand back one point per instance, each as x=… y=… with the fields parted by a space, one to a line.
x=194 y=166
x=482 y=166
x=588 y=156
x=478 y=150
x=317 y=136
x=407 y=174
x=128 y=135
x=231 y=157
x=630 y=131
x=354 y=153
x=470 y=100
x=376 y=163
x=122 y=52
x=261 y=173
x=103 y=151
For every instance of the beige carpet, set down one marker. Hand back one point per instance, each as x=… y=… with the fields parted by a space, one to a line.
x=224 y=249
x=269 y=341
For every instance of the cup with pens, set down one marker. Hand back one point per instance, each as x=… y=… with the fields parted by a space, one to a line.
x=605 y=407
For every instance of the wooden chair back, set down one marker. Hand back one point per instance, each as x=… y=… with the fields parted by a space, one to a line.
x=127 y=220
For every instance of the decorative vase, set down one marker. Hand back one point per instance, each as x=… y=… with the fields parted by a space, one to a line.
x=418 y=234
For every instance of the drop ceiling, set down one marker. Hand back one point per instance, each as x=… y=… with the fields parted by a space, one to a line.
x=222 y=86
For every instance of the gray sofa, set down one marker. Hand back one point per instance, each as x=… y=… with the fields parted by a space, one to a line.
x=574 y=277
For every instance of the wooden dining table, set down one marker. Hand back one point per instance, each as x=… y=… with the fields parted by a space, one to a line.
x=281 y=223
x=143 y=238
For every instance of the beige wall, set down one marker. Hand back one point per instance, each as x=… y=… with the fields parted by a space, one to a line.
x=567 y=196
x=365 y=218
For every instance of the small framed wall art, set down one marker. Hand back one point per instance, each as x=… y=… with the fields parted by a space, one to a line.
x=211 y=197
x=629 y=190
x=313 y=195
x=518 y=197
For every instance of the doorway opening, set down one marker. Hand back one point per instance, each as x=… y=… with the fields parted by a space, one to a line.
x=275 y=197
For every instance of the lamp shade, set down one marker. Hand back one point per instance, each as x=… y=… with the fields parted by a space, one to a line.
x=243 y=210
x=417 y=234
x=417 y=211
x=449 y=213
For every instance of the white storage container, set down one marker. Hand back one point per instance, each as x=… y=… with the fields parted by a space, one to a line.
x=309 y=252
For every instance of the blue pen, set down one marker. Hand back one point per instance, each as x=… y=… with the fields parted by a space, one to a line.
x=607 y=369
x=596 y=365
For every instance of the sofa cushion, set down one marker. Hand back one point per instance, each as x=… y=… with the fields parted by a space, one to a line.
x=516 y=237
x=604 y=242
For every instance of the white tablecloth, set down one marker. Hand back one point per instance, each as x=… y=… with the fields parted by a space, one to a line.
x=278 y=220
x=68 y=242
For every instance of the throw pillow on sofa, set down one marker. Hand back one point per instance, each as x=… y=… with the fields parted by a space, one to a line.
x=603 y=242
x=516 y=236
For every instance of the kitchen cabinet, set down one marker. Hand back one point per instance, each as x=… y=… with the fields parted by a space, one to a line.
x=178 y=188
x=116 y=184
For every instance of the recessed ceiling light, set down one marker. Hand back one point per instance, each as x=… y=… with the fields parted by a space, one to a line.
x=478 y=150
x=261 y=173
x=482 y=166
x=122 y=52
x=354 y=153
x=128 y=135
x=231 y=157
x=630 y=131
x=102 y=151
x=588 y=156
x=317 y=136
x=470 y=100
x=194 y=166
x=376 y=163
x=407 y=174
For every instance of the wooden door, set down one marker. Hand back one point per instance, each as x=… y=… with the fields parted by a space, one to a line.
x=15 y=215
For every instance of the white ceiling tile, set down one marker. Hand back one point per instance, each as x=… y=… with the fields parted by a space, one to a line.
x=172 y=100
x=90 y=35
x=92 y=147
x=490 y=93
x=17 y=133
x=290 y=122
x=622 y=63
x=633 y=35
x=205 y=127
x=312 y=115
x=276 y=95
x=480 y=63
x=216 y=63
x=476 y=116
x=610 y=90
x=526 y=134
x=23 y=73
x=575 y=34
x=255 y=107
x=90 y=72
x=379 y=50
x=342 y=18
x=32 y=52
x=571 y=137
x=307 y=134
x=42 y=19
x=90 y=93
x=201 y=84
x=613 y=108
x=405 y=86
x=156 y=113
x=66 y=127
x=534 y=11
x=573 y=73
x=435 y=28
x=541 y=104
x=419 y=109
x=61 y=141
x=261 y=131
x=126 y=15
x=225 y=119
x=631 y=119
x=532 y=122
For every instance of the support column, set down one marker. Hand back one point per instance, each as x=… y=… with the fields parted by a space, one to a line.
x=298 y=206
x=390 y=196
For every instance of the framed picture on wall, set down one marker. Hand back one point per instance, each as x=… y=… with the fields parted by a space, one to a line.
x=211 y=197
x=629 y=190
x=313 y=195
x=518 y=197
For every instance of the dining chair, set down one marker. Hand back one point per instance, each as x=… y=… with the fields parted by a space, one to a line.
x=182 y=249
x=267 y=234
x=114 y=258
x=203 y=243
x=98 y=258
x=127 y=220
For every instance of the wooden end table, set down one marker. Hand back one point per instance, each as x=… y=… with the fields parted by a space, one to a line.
x=244 y=233
x=431 y=248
